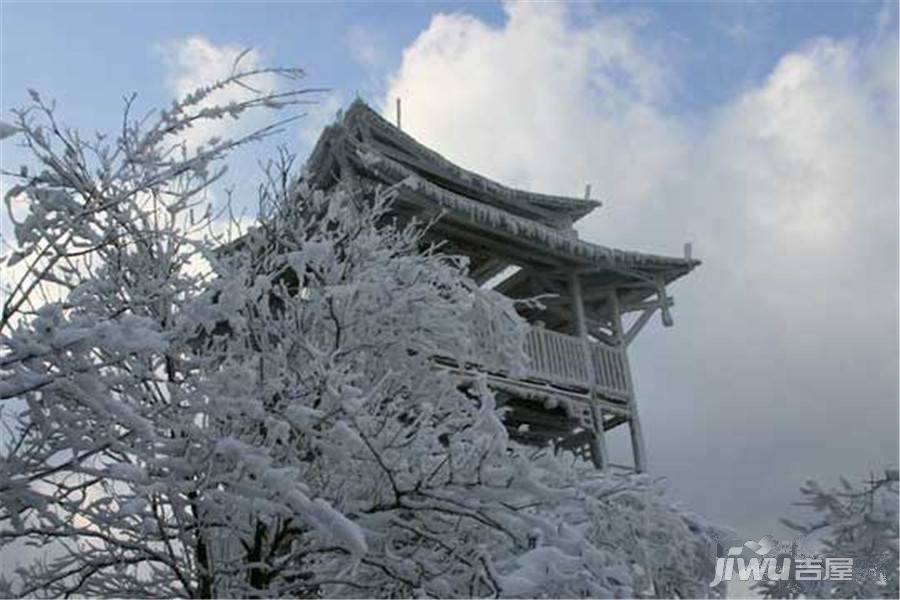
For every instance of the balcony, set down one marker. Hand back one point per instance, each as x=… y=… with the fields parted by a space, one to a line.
x=555 y=363
x=559 y=359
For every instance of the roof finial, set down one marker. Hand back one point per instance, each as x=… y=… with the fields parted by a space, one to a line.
x=587 y=191
x=398 y=114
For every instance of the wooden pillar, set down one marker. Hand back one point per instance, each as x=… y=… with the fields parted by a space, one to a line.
x=634 y=421
x=599 y=454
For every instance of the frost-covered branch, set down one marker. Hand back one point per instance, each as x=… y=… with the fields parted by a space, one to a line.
x=272 y=423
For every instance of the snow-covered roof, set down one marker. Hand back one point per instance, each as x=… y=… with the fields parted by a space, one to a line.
x=380 y=136
x=456 y=205
x=364 y=145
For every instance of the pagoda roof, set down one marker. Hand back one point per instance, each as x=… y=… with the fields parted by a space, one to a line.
x=380 y=136
x=527 y=228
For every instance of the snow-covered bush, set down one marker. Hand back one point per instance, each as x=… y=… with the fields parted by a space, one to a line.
x=271 y=423
x=859 y=524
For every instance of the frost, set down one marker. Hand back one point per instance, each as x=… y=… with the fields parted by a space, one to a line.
x=495 y=218
x=275 y=425
x=133 y=507
x=848 y=523
x=336 y=524
x=127 y=472
x=7 y=130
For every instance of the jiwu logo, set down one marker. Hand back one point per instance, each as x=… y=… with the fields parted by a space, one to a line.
x=750 y=561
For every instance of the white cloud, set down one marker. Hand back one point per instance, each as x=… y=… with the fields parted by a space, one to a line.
x=788 y=191
x=505 y=100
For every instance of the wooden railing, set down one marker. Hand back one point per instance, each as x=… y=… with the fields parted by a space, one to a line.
x=559 y=358
x=551 y=357
x=556 y=357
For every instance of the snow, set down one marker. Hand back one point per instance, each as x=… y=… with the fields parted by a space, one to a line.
x=183 y=431
x=498 y=219
x=7 y=130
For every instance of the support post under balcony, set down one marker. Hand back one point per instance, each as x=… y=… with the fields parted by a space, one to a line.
x=634 y=422
x=599 y=454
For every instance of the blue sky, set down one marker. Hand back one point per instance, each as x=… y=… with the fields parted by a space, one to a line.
x=764 y=133
x=89 y=54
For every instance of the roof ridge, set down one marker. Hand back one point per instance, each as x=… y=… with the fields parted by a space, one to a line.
x=534 y=229
x=579 y=206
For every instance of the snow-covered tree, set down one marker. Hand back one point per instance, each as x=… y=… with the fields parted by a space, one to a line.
x=189 y=417
x=104 y=259
x=850 y=523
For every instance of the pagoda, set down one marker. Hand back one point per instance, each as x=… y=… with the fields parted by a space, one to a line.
x=577 y=385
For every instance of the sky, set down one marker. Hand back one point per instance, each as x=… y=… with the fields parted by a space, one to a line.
x=766 y=134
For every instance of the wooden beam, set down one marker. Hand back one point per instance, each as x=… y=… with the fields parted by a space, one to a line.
x=537 y=283
x=660 y=286
x=599 y=454
x=614 y=421
x=576 y=440
x=521 y=388
x=656 y=280
x=521 y=277
x=488 y=269
x=578 y=306
x=543 y=418
x=638 y=325
x=535 y=438
x=637 y=436
x=602 y=336
x=667 y=319
x=669 y=301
